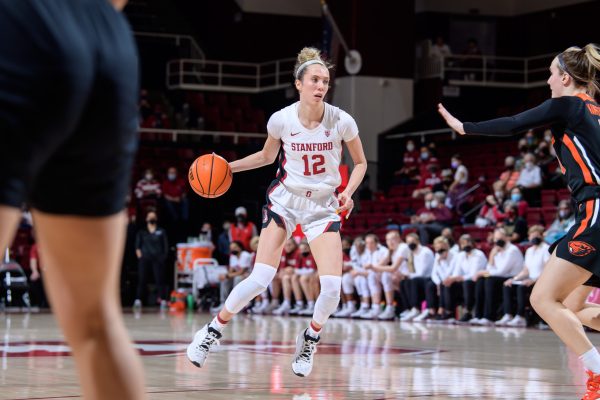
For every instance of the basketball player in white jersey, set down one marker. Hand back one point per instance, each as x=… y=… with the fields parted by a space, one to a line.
x=310 y=133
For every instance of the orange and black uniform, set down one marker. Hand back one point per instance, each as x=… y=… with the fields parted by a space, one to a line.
x=575 y=125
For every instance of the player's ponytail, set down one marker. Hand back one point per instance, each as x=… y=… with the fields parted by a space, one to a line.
x=306 y=57
x=583 y=65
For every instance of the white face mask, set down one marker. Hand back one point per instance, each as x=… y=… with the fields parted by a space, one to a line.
x=548 y=138
x=499 y=195
x=428 y=204
x=410 y=147
x=149 y=177
x=529 y=165
x=172 y=177
x=454 y=164
x=434 y=203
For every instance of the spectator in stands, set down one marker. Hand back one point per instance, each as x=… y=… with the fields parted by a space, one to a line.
x=348 y=305
x=240 y=262
x=447 y=180
x=442 y=268
x=148 y=187
x=243 y=230
x=545 y=160
x=564 y=220
x=419 y=264
x=38 y=295
x=206 y=234
x=426 y=158
x=520 y=286
x=432 y=219
x=488 y=215
x=151 y=248
x=530 y=180
x=174 y=191
x=514 y=225
x=359 y=277
x=439 y=48
x=459 y=185
x=510 y=175
x=531 y=140
x=306 y=279
x=410 y=164
x=373 y=255
x=223 y=244
x=505 y=261
x=461 y=283
x=283 y=279
x=448 y=233
x=516 y=196
x=429 y=179
x=393 y=269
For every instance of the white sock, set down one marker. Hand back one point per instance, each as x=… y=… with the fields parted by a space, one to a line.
x=389 y=307
x=300 y=304
x=351 y=303
x=265 y=302
x=311 y=304
x=285 y=303
x=216 y=324
x=364 y=305
x=591 y=360
x=312 y=332
x=374 y=306
x=275 y=302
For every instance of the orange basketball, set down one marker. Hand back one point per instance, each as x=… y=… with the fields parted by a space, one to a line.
x=210 y=176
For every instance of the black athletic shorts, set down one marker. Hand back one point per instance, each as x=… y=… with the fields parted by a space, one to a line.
x=581 y=245
x=68 y=106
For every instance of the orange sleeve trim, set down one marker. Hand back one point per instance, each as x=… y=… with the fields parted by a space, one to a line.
x=587 y=176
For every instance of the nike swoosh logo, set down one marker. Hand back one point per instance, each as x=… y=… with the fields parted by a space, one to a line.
x=294 y=134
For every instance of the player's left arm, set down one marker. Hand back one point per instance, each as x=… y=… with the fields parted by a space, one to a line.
x=119 y=5
x=357 y=153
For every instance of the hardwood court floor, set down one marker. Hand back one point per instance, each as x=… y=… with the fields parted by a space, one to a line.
x=356 y=360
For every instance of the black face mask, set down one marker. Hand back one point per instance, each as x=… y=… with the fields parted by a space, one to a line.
x=152 y=221
x=235 y=252
x=441 y=251
x=500 y=243
x=467 y=249
x=241 y=219
x=305 y=254
x=346 y=251
x=205 y=232
x=536 y=240
x=412 y=246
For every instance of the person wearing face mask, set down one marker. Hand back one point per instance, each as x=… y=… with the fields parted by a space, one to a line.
x=459 y=185
x=510 y=175
x=426 y=158
x=459 y=287
x=152 y=247
x=565 y=219
x=514 y=225
x=243 y=230
x=517 y=289
x=521 y=205
x=148 y=188
x=530 y=180
x=359 y=278
x=434 y=295
x=394 y=269
x=432 y=218
x=505 y=260
x=448 y=233
x=410 y=164
x=240 y=262
x=420 y=264
x=428 y=181
x=348 y=305
x=174 y=190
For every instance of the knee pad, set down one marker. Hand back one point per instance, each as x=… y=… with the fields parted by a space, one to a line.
x=249 y=288
x=328 y=299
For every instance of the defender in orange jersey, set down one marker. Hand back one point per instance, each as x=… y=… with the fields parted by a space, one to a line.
x=558 y=295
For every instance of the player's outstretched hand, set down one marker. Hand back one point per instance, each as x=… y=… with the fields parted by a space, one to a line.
x=451 y=120
x=346 y=204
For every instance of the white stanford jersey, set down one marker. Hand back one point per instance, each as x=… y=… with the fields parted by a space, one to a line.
x=310 y=159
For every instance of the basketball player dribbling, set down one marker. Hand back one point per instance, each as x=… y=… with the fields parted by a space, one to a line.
x=304 y=192
x=574 y=116
x=68 y=123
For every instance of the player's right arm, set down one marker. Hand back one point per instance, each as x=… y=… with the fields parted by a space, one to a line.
x=552 y=110
x=266 y=156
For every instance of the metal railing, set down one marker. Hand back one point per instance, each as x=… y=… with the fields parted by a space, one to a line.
x=229 y=76
x=515 y=72
x=194 y=49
